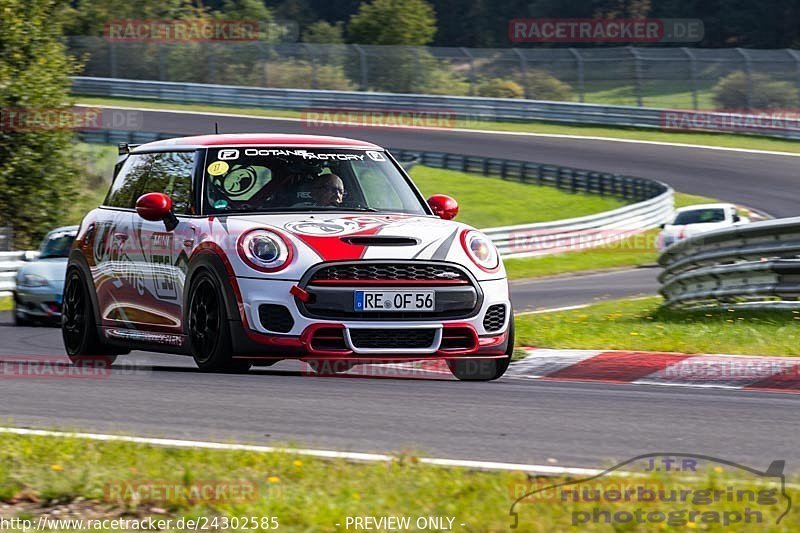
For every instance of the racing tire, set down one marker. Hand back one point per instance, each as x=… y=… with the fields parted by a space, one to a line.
x=484 y=369
x=207 y=328
x=79 y=327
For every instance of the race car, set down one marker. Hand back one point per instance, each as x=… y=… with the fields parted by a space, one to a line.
x=696 y=219
x=40 y=281
x=247 y=249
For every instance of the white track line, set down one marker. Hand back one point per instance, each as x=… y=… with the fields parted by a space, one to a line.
x=552 y=310
x=325 y=454
x=462 y=130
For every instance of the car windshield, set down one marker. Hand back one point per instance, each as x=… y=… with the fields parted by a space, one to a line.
x=57 y=244
x=700 y=216
x=259 y=179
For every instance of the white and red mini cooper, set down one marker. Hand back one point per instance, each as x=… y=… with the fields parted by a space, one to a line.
x=244 y=250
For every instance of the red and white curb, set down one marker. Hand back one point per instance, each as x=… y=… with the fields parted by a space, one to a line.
x=746 y=372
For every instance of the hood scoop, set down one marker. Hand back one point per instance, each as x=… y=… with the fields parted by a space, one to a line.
x=380 y=240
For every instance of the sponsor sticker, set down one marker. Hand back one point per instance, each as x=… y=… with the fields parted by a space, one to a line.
x=218 y=168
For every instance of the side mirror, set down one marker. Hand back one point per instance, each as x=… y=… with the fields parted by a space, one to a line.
x=155 y=206
x=662 y=226
x=443 y=206
x=30 y=255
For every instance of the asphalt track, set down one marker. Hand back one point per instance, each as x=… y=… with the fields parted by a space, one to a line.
x=767 y=182
x=511 y=420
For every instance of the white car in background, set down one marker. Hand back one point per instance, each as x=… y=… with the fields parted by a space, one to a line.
x=696 y=219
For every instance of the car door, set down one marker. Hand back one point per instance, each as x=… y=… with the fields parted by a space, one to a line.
x=117 y=282
x=161 y=252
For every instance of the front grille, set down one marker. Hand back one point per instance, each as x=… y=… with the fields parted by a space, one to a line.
x=392 y=338
x=494 y=318
x=391 y=272
x=275 y=318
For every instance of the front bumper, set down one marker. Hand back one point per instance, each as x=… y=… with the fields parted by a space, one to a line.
x=353 y=339
x=42 y=303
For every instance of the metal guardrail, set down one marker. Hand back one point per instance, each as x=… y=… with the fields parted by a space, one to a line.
x=9 y=263
x=753 y=265
x=473 y=109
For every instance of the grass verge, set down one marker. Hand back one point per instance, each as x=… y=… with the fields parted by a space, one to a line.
x=726 y=140
x=634 y=251
x=486 y=202
x=640 y=324
x=6 y=304
x=89 y=479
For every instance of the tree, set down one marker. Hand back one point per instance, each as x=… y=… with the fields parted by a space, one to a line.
x=321 y=32
x=38 y=169
x=393 y=22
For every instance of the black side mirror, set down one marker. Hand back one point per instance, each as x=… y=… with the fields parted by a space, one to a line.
x=661 y=226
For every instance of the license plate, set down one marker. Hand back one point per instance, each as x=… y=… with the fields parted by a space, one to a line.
x=395 y=301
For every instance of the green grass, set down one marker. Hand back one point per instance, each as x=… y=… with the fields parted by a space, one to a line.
x=634 y=251
x=641 y=324
x=6 y=304
x=486 y=202
x=751 y=142
x=303 y=493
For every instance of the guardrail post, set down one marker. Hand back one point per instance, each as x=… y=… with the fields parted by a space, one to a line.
x=112 y=57
x=471 y=70
x=579 y=65
x=692 y=75
x=523 y=67
x=748 y=70
x=637 y=70
x=362 y=61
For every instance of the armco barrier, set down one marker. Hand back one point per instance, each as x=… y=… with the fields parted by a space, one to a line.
x=9 y=263
x=474 y=109
x=753 y=265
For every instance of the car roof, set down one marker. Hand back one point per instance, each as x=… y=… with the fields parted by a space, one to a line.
x=256 y=139
x=705 y=206
x=63 y=229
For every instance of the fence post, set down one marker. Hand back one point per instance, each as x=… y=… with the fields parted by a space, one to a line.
x=263 y=59
x=579 y=65
x=523 y=67
x=692 y=74
x=637 y=70
x=112 y=56
x=749 y=73
x=471 y=70
x=160 y=52
x=362 y=60
x=796 y=58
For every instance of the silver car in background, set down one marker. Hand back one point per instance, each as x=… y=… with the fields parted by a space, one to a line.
x=40 y=282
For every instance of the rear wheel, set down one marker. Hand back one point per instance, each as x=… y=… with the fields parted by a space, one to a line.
x=78 y=325
x=484 y=369
x=207 y=327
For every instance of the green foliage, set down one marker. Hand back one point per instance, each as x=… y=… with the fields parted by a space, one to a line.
x=501 y=88
x=38 y=171
x=393 y=22
x=542 y=86
x=731 y=92
x=304 y=75
x=321 y=32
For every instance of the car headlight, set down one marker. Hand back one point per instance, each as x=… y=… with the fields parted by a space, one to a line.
x=480 y=249
x=265 y=250
x=32 y=280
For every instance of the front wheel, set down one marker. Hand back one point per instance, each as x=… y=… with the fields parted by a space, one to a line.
x=484 y=369
x=208 y=331
x=78 y=325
